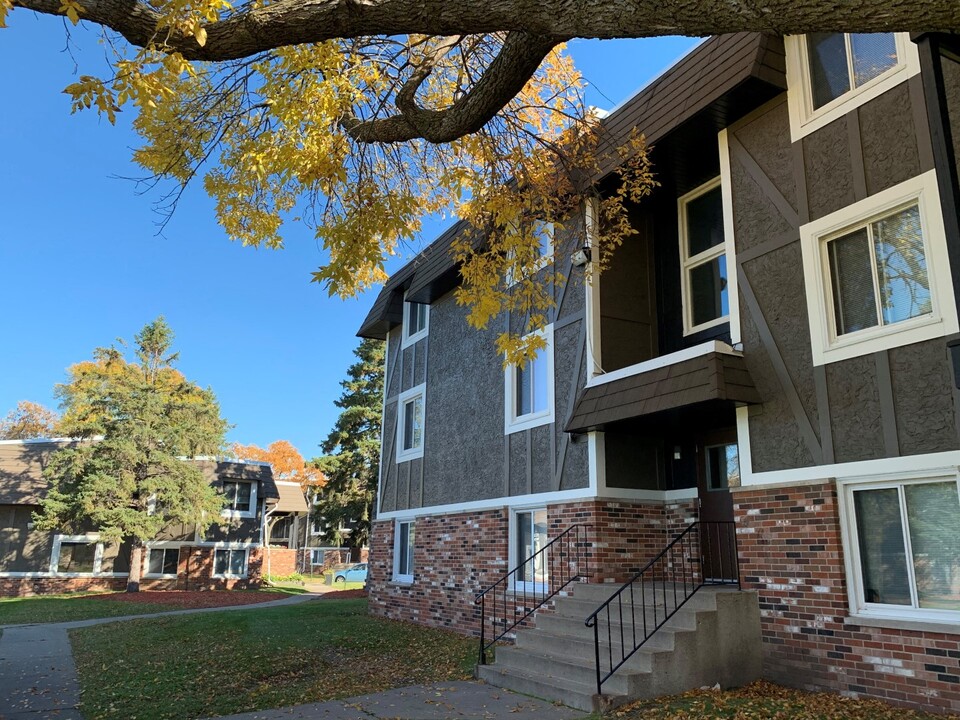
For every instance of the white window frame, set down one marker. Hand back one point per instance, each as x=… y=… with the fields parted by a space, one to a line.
x=513 y=422
x=399 y=524
x=856 y=599
x=406 y=397
x=407 y=339
x=313 y=556
x=512 y=559
x=804 y=119
x=814 y=236
x=313 y=517
x=89 y=539
x=688 y=263
x=149 y=574
x=252 y=512
x=229 y=575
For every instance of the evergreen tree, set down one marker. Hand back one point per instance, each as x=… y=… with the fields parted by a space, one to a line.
x=352 y=460
x=137 y=420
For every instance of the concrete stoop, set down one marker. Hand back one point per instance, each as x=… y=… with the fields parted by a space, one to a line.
x=713 y=638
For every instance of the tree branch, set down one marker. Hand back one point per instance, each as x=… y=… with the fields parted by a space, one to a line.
x=290 y=22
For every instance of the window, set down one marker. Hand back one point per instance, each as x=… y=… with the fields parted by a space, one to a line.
x=703 y=259
x=316 y=523
x=230 y=563
x=316 y=556
x=529 y=538
x=416 y=322
x=76 y=555
x=875 y=274
x=904 y=547
x=403 y=547
x=529 y=391
x=542 y=231
x=723 y=466
x=410 y=424
x=829 y=74
x=163 y=561
x=241 y=498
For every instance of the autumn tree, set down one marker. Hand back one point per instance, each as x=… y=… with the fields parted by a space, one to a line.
x=27 y=421
x=285 y=460
x=359 y=119
x=352 y=461
x=139 y=418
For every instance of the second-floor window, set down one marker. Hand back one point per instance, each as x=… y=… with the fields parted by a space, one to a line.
x=703 y=258
x=528 y=389
x=410 y=424
x=240 y=498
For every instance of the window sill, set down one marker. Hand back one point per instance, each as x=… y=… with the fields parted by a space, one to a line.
x=230 y=577
x=159 y=577
x=526 y=423
x=938 y=626
x=413 y=339
x=239 y=515
x=400 y=582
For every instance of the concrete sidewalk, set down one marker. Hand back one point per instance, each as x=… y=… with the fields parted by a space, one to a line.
x=38 y=679
x=444 y=701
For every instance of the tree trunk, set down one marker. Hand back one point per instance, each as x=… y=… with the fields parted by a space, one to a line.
x=136 y=566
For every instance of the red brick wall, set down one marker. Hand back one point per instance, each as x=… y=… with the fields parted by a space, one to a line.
x=790 y=551
x=456 y=556
x=28 y=587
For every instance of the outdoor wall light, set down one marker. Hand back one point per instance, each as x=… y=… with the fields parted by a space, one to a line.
x=581 y=257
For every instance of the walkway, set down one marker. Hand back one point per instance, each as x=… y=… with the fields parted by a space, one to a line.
x=38 y=681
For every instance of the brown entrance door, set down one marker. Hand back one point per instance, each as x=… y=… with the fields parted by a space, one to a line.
x=718 y=471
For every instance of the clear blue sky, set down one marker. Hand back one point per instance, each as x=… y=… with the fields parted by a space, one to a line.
x=82 y=263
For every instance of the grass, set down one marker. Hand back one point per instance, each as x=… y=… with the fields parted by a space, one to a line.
x=348 y=586
x=765 y=700
x=222 y=663
x=64 y=608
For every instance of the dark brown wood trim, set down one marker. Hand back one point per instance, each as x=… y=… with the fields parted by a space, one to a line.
x=921 y=125
x=529 y=440
x=781 y=241
x=800 y=182
x=823 y=413
x=783 y=375
x=568 y=320
x=856 y=154
x=888 y=410
x=738 y=151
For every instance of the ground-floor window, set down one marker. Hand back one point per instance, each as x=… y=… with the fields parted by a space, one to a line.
x=230 y=563
x=529 y=538
x=316 y=556
x=403 y=551
x=163 y=561
x=76 y=555
x=905 y=553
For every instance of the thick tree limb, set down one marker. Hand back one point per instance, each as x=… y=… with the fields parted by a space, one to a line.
x=518 y=59
x=290 y=22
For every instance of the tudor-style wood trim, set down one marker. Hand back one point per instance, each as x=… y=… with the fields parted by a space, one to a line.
x=823 y=412
x=780 y=241
x=780 y=368
x=772 y=192
x=852 y=119
x=888 y=409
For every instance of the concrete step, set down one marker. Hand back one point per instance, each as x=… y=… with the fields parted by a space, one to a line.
x=542 y=639
x=557 y=624
x=530 y=682
x=577 y=606
x=598 y=592
x=572 y=668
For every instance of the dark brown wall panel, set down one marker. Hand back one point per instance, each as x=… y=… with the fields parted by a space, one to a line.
x=756 y=219
x=767 y=139
x=856 y=419
x=826 y=154
x=951 y=82
x=889 y=139
x=921 y=381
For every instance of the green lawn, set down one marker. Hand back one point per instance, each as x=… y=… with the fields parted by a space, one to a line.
x=64 y=608
x=221 y=663
x=764 y=700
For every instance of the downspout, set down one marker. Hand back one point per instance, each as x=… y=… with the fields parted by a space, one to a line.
x=264 y=542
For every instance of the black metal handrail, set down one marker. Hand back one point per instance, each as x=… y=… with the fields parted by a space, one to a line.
x=518 y=594
x=703 y=554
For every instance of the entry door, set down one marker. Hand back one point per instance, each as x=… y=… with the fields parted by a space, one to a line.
x=530 y=538
x=719 y=470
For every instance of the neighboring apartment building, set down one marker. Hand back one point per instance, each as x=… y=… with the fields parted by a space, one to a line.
x=776 y=346
x=229 y=554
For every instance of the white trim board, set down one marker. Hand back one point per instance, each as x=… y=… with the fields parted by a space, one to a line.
x=711 y=346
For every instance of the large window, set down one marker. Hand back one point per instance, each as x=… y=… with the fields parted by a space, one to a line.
x=706 y=299
x=76 y=555
x=240 y=498
x=163 y=561
x=829 y=74
x=529 y=390
x=410 y=424
x=403 y=548
x=230 y=563
x=873 y=272
x=905 y=554
x=416 y=322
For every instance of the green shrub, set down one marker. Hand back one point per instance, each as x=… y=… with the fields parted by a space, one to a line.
x=291 y=578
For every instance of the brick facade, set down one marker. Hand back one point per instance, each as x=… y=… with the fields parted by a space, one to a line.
x=458 y=555
x=791 y=553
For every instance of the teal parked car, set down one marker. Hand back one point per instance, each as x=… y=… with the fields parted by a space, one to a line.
x=354 y=573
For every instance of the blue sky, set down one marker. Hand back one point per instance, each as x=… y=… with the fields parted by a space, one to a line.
x=82 y=263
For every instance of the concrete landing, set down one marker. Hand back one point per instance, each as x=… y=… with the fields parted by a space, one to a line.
x=38 y=679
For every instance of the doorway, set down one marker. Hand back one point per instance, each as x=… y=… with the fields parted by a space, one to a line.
x=718 y=470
